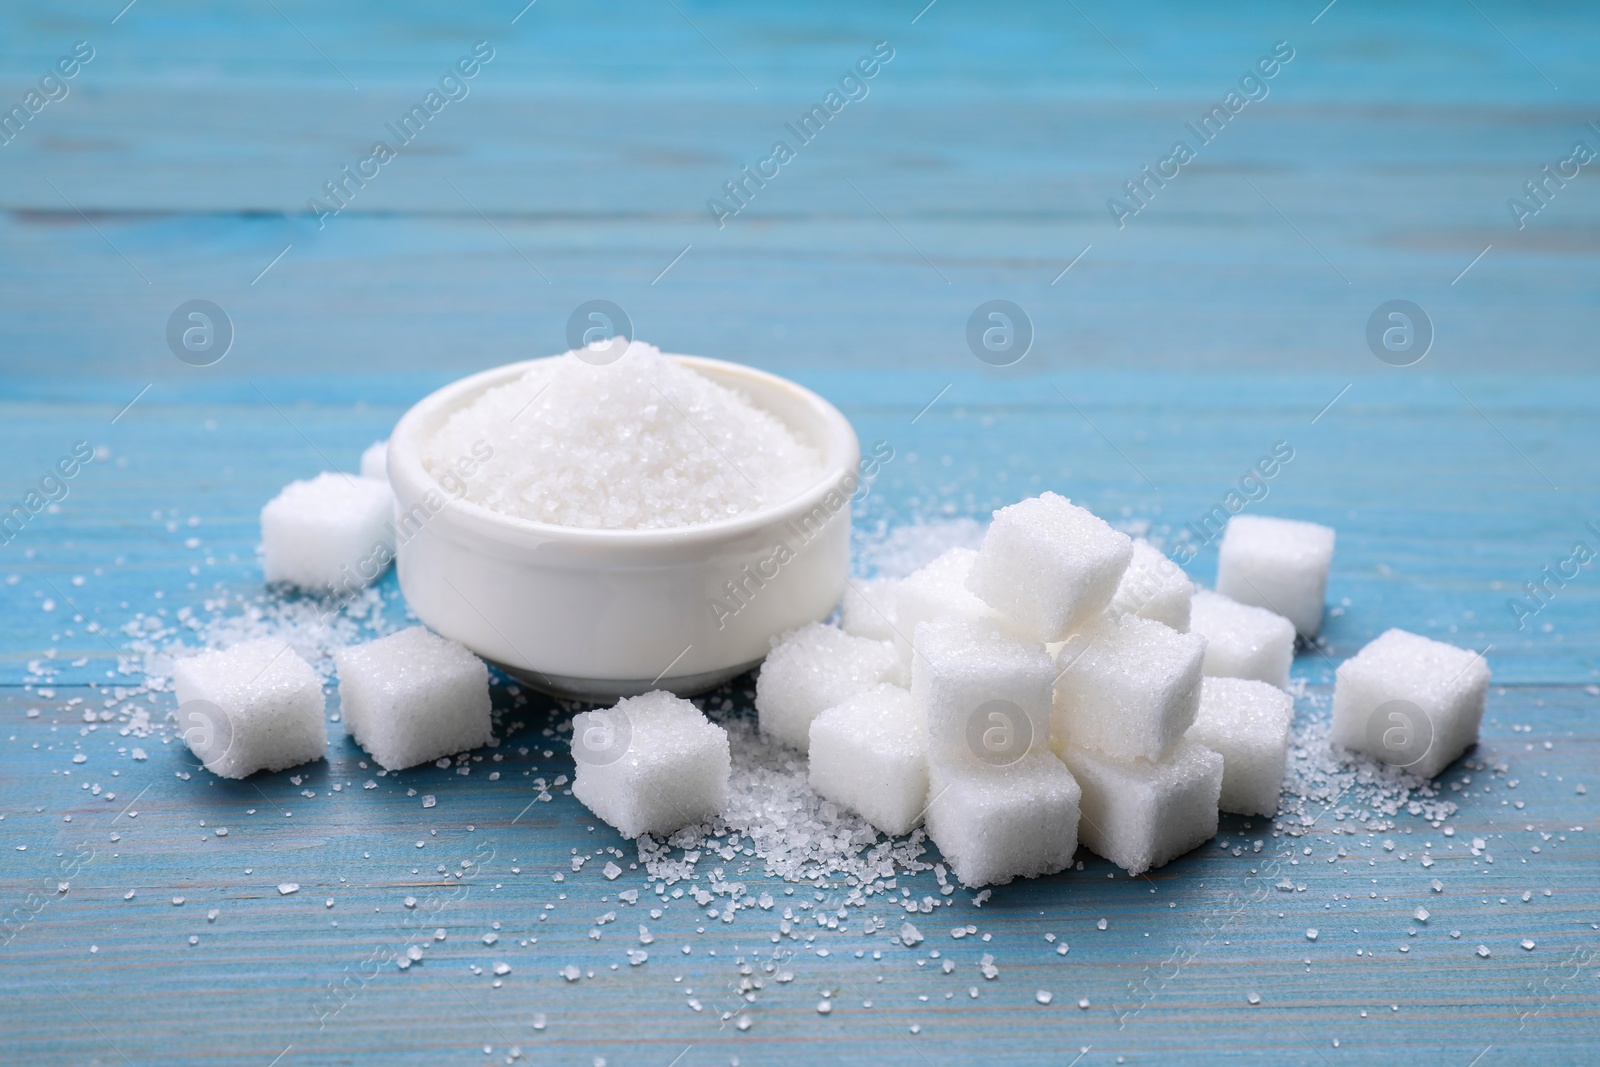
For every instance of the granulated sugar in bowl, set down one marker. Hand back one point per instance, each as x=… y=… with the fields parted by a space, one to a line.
x=600 y=529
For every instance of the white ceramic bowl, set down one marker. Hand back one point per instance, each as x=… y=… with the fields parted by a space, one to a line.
x=600 y=614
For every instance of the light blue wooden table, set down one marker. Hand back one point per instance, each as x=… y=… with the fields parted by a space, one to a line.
x=1228 y=313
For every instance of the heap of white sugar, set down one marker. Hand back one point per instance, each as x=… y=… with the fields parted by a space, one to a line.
x=774 y=816
x=642 y=443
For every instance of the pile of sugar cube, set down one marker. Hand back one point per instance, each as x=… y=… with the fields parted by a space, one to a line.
x=1061 y=683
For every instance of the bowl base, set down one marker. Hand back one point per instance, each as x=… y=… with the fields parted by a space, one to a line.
x=609 y=690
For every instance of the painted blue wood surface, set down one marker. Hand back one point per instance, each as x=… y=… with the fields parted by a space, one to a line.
x=1224 y=317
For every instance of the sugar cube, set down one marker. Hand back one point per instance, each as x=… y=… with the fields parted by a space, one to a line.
x=1049 y=565
x=936 y=591
x=1243 y=641
x=413 y=697
x=983 y=691
x=994 y=824
x=334 y=531
x=869 y=608
x=1153 y=587
x=1127 y=687
x=651 y=764
x=254 y=707
x=375 y=461
x=870 y=754
x=1410 y=701
x=811 y=669
x=1140 y=814
x=1277 y=564
x=1247 y=724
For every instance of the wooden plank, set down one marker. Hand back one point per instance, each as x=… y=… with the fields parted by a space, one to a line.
x=1196 y=930
x=1224 y=317
x=414 y=295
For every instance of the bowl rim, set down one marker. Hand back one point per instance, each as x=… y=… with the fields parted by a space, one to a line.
x=840 y=448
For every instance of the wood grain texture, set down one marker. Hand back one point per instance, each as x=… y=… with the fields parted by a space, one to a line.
x=1223 y=318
